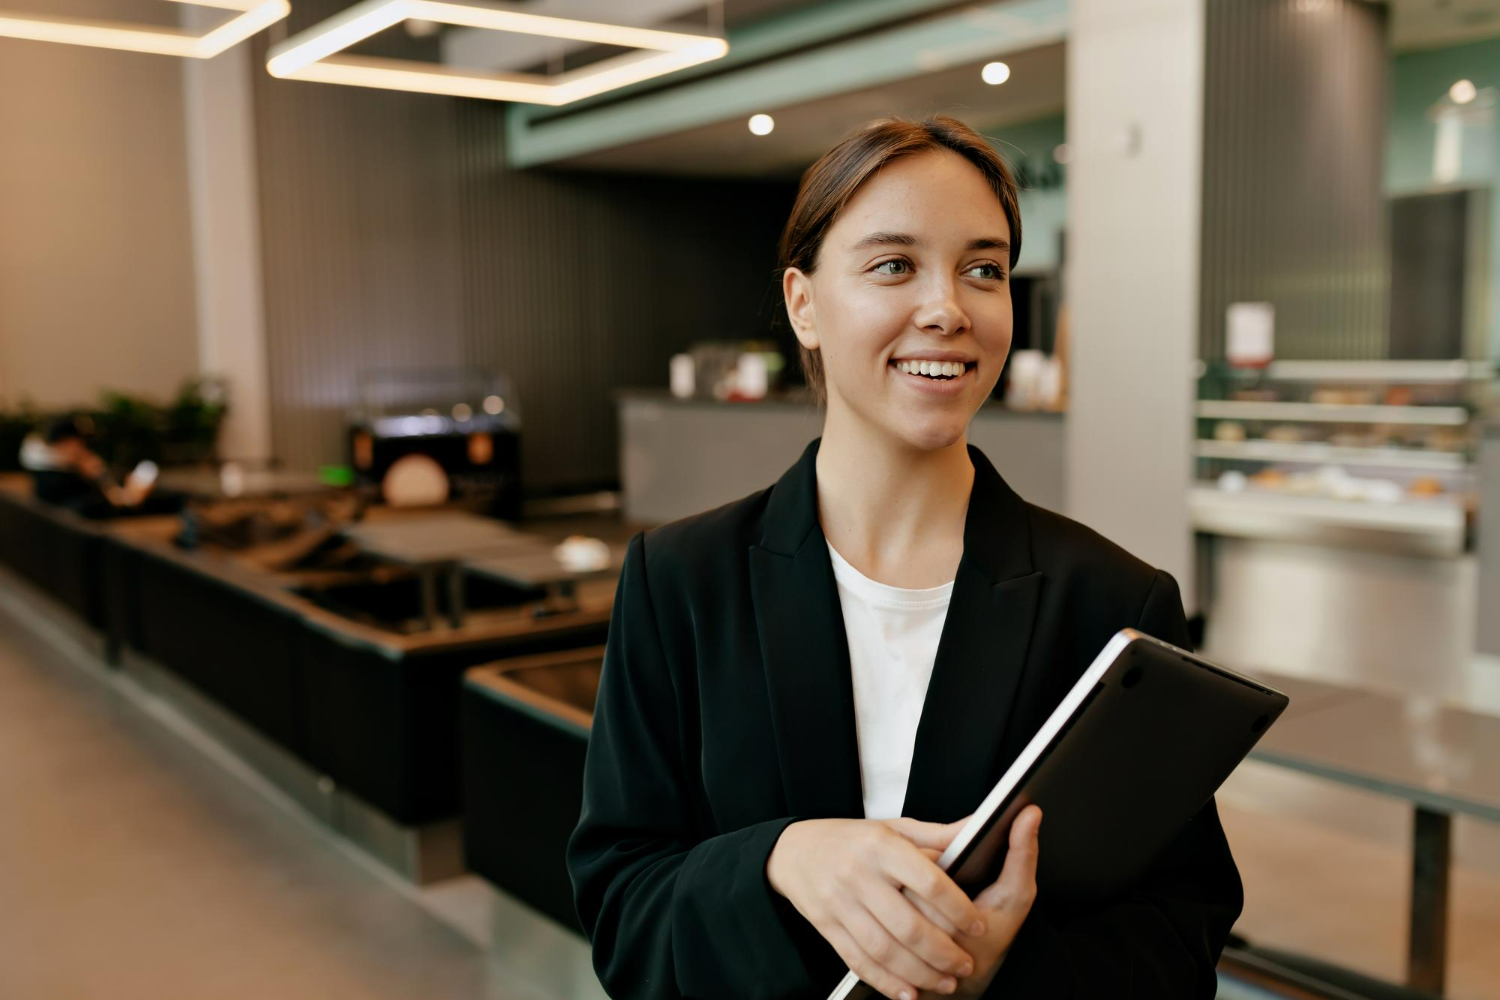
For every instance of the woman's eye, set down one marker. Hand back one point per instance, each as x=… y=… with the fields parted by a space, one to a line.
x=992 y=272
x=896 y=266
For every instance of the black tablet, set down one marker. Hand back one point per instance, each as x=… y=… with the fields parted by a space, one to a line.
x=1137 y=747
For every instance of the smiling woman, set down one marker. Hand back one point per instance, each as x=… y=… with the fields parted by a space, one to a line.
x=832 y=183
x=805 y=691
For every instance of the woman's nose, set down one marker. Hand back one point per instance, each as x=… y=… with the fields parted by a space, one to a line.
x=940 y=311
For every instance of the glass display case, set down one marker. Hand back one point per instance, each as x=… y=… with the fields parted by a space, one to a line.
x=1369 y=453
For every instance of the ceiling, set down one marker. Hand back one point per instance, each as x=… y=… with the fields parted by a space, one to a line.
x=805 y=131
x=741 y=12
x=1425 y=24
x=1036 y=89
x=499 y=51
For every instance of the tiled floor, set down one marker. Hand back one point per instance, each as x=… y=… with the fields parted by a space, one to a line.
x=132 y=865
x=1327 y=873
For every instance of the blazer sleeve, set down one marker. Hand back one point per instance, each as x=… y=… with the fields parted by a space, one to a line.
x=1162 y=940
x=670 y=913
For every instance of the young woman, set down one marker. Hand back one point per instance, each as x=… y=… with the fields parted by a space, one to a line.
x=804 y=692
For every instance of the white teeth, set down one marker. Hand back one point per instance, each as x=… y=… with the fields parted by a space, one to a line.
x=952 y=369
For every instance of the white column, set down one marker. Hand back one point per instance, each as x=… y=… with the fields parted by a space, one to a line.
x=1134 y=120
x=226 y=241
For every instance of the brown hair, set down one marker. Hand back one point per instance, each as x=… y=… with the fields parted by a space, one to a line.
x=829 y=184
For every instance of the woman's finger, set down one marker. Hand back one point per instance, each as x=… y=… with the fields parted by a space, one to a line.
x=1016 y=885
x=876 y=941
x=930 y=912
x=910 y=870
x=924 y=938
x=865 y=967
x=931 y=835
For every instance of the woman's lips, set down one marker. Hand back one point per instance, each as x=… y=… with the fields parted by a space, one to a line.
x=945 y=387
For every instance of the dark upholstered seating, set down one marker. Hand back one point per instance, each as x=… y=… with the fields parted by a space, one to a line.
x=525 y=731
x=375 y=709
x=382 y=714
x=53 y=548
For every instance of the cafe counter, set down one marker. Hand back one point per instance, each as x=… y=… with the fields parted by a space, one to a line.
x=682 y=456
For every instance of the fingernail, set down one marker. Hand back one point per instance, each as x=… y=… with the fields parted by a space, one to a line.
x=908 y=995
x=965 y=969
x=947 y=986
x=977 y=930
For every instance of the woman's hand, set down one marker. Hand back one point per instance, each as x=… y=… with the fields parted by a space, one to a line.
x=1004 y=906
x=872 y=889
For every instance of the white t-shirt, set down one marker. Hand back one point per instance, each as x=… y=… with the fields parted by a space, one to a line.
x=893 y=638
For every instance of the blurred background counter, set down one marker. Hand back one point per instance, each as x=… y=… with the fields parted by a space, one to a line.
x=682 y=456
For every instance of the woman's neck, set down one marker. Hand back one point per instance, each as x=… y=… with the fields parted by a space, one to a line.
x=896 y=513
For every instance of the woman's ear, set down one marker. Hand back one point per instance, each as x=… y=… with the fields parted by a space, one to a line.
x=796 y=289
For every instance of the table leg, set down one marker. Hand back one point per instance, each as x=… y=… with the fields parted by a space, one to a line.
x=561 y=596
x=1427 y=949
x=428 y=576
x=456 y=608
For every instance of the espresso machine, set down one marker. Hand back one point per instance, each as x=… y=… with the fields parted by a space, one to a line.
x=438 y=435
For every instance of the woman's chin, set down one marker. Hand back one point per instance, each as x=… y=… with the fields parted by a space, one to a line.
x=932 y=434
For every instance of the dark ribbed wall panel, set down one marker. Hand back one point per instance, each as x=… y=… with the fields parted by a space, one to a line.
x=577 y=284
x=394 y=236
x=359 y=235
x=1294 y=211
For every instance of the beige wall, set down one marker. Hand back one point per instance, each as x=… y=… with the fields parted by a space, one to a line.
x=96 y=267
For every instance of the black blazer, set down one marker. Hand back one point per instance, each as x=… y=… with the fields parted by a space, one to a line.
x=726 y=712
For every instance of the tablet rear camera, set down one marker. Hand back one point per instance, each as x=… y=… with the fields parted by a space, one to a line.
x=1131 y=678
x=1260 y=724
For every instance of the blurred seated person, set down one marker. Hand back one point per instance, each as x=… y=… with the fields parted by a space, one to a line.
x=66 y=473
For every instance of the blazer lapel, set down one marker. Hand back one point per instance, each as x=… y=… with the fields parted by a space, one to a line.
x=806 y=654
x=980 y=657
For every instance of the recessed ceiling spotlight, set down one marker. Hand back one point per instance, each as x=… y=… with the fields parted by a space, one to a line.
x=995 y=73
x=762 y=124
x=1463 y=92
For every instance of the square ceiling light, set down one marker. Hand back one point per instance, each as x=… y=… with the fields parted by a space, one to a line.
x=314 y=54
x=254 y=16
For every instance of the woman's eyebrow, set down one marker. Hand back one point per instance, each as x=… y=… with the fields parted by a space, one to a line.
x=990 y=243
x=885 y=239
x=907 y=240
